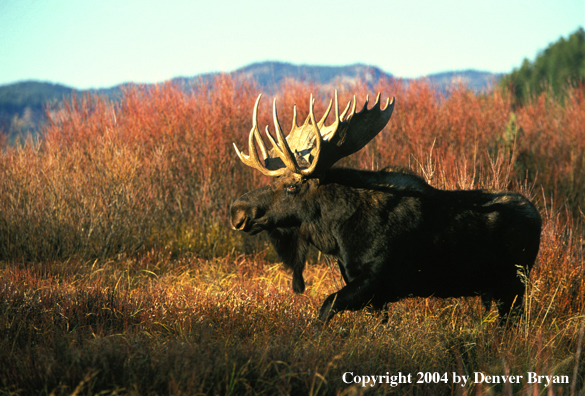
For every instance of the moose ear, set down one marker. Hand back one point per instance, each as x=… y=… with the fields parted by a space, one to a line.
x=316 y=180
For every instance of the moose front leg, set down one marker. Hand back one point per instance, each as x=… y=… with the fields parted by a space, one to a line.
x=298 y=283
x=356 y=295
x=292 y=249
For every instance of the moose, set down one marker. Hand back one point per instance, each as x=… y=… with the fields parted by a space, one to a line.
x=393 y=235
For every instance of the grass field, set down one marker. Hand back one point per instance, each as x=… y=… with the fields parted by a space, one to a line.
x=119 y=273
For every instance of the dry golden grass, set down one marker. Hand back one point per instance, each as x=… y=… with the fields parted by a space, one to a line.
x=154 y=325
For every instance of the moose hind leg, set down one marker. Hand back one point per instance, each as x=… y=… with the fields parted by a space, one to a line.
x=486 y=300
x=354 y=296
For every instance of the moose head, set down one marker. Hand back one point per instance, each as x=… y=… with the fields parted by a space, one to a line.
x=300 y=161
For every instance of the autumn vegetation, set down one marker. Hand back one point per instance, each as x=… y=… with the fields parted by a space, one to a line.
x=119 y=273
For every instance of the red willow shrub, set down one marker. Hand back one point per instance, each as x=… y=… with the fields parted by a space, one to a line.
x=551 y=144
x=157 y=169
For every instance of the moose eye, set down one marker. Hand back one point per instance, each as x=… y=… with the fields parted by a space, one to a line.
x=292 y=189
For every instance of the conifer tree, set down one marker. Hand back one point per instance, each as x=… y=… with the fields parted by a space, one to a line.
x=561 y=64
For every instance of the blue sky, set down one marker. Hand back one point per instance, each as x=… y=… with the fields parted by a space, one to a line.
x=102 y=43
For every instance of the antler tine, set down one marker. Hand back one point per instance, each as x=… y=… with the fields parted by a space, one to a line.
x=273 y=142
x=257 y=131
x=294 y=120
x=285 y=152
x=378 y=104
x=255 y=113
x=336 y=109
x=345 y=110
x=365 y=108
x=322 y=120
x=377 y=99
x=327 y=132
x=318 y=138
x=243 y=157
x=252 y=159
x=261 y=145
x=255 y=161
x=353 y=107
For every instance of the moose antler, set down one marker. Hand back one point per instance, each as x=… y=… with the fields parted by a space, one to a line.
x=314 y=143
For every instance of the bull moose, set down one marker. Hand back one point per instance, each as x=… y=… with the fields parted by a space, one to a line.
x=393 y=235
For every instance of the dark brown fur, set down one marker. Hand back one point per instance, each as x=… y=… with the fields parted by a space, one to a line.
x=394 y=236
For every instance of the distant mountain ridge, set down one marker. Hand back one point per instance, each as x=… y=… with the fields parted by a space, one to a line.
x=22 y=104
x=270 y=75
x=474 y=79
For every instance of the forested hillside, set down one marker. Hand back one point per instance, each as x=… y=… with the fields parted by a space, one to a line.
x=562 y=63
x=23 y=107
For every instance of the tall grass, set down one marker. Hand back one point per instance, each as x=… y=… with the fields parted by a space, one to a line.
x=119 y=273
x=157 y=325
